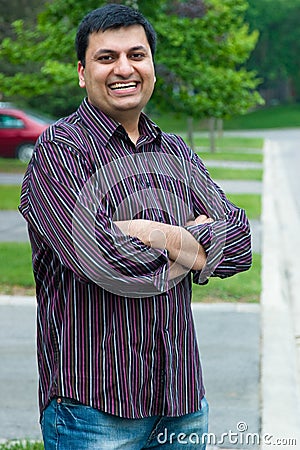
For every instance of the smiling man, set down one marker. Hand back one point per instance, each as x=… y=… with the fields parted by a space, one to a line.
x=118 y=74
x=121 y=217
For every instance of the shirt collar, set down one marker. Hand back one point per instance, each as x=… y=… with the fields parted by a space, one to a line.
x=104 y=126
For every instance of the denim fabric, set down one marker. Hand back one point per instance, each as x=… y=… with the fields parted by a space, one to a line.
x=69 y=425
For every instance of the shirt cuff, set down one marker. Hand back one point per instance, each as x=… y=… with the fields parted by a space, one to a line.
x=212 y=237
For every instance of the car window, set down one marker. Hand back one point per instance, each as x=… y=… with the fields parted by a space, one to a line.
x=40 y=118
x=7 y=121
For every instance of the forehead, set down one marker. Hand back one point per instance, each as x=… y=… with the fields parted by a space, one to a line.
x=118 y=39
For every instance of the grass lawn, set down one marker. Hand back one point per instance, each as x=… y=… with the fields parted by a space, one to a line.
x=22 y=446
x=251 y=203
x=243 y=287
x=230 y=156
x=222 y=173
x=281 y=116
x=16 y=278
x=232 y=143
x=9 y=197
x=15 y=268
x=11 y=165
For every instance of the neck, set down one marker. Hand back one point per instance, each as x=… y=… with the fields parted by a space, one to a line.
x=133 y=133
x=131 y=125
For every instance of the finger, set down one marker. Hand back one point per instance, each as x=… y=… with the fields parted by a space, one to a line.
x=203 y=219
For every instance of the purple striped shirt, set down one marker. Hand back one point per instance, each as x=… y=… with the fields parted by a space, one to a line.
x=113 y=331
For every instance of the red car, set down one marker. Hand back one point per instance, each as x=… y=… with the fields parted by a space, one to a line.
x=19 y=131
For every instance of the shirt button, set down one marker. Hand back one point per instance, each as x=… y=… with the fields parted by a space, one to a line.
x=58 y=400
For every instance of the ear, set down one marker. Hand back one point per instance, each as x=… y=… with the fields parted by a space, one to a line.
x=80 y=71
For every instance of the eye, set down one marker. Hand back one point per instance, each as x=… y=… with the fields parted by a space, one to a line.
x=105 y=58
x=137 y=56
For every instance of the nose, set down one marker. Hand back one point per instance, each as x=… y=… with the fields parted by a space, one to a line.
x=123 y=67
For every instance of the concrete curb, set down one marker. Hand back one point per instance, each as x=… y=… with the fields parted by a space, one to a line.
x=17 y=300
x=279 y=365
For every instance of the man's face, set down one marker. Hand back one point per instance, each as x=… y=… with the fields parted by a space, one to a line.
x=119 y=73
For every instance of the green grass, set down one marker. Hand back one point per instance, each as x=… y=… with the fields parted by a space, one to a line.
x=22 y=446
x=282 y=116
x=9 y=197
x=243 y=287
x=15 y=268
x=16 y=276
x=232 y=143
x=250 y=202
x=11 y=165
x=230 y=156
x=220 y=173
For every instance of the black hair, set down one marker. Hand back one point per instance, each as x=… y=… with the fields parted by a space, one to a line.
x=109 y=17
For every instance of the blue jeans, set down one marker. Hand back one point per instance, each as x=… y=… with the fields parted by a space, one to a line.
x=67 y=425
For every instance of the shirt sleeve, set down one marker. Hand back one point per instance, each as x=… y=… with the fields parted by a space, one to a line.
x=64 y=206
x=227 y=241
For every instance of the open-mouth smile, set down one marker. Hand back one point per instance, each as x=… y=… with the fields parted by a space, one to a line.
x=123 y=86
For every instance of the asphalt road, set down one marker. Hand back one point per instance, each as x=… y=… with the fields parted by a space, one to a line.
x=228 y=338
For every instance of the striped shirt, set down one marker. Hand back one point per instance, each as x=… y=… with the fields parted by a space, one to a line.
x=113 y=331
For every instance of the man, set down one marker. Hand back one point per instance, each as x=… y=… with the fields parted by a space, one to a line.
x=120 y=215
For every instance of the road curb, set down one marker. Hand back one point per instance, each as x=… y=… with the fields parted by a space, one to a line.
x=279 y=365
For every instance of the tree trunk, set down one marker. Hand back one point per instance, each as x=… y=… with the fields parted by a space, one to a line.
x=220 y=128
x=212 y=134
x=190 y=132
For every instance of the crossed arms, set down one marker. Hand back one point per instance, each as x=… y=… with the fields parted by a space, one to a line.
x=183 y=249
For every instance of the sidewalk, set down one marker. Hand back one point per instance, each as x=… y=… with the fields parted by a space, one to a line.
x=280 y=355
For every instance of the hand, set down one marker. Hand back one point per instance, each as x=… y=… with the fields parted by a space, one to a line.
x=182 y=247
x=199 y=220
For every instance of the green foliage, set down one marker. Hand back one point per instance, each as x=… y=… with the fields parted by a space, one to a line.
x=276 y=56
x=200 y=60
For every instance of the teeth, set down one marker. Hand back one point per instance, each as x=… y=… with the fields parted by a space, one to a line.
x=123 y=86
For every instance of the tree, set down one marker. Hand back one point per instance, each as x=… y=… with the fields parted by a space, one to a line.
x=10 y=11
x=276 y=56
x=202 y=48
x=44 y=56
x=204 y=45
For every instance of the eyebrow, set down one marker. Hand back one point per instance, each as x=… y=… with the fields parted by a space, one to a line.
x=103 y=51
